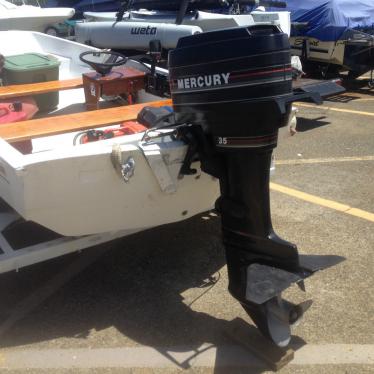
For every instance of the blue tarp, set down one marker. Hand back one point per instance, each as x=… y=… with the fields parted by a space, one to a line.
x=329 y=19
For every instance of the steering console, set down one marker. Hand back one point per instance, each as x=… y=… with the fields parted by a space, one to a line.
x=103 y=61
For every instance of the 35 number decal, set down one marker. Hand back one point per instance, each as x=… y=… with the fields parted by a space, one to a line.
x=222 y=141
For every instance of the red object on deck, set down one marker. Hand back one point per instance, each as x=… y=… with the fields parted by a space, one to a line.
x=126 y=128
x=18 y=110
x=7 y=114
x=132 y=127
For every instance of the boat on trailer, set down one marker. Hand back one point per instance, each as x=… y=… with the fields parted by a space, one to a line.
x=136 y=24
x=333 y=35
x=63 y=182
x=228 y=104
x=61 y=179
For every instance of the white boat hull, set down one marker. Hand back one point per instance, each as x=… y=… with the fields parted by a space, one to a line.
x=316 y=50
x=66 y=51
x=76 y=190
x=131 y=35
x=105 y=32
x=31 y=18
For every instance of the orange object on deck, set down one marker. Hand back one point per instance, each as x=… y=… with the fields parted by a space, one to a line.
x=132 y=127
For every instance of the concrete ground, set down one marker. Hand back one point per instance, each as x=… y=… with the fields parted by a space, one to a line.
x=157 y=301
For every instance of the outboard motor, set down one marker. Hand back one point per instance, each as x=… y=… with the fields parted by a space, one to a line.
x=233 y=91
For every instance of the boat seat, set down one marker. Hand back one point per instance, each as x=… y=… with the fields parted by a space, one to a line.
x=36 y=128
x=17 y=90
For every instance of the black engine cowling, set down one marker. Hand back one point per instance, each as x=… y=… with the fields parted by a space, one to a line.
x=233 y=88
x=233 y=75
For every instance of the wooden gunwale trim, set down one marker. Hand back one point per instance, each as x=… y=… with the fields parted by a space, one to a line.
x=18 y=90
x=56 y=125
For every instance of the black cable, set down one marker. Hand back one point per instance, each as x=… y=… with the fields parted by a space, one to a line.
x=77 y=136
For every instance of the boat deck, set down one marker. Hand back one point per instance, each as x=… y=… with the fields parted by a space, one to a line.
x=61 y=124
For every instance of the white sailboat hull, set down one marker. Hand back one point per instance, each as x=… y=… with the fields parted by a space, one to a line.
x=205 y=20
x=27 y=17
x=131 y=35
x=105 y=32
